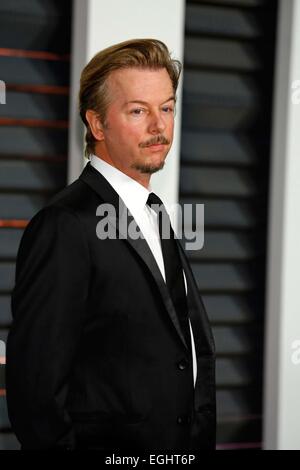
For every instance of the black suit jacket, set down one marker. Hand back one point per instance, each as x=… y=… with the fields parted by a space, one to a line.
x=96 y=358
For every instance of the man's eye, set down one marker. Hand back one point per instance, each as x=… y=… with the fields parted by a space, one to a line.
x=137 y=111
x=168 y=109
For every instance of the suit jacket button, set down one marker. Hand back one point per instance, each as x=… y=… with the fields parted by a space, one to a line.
x=205 y=410
x=183 y=364
x=184 y=419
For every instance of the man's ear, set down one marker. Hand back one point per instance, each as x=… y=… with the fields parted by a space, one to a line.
x=95 y=124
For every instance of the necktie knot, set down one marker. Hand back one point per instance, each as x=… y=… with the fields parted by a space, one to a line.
x=164 y=224
x=155 y=201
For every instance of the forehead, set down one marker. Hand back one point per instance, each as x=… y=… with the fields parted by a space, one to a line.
x=143 y=84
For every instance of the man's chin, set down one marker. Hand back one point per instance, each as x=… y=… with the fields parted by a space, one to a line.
x=148 y=168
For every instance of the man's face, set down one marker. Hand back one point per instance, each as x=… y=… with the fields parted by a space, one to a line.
x=140 y=115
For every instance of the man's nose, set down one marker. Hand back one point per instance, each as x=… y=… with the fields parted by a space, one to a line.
x=157 y=123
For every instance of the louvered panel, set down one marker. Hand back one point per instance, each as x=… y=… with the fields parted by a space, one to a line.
x=203 y=19
x=226 y=101
x=228 y=309
x=236 y=372
x=221 y=213
x=219 y=88
x=219 y=117
x=7 y=276
x=238 y=403
x=34 y=176
x=240 y=434
x=35 y=24
x=40 y=9
x=33 y=34
x=217 y=148
x=4 y=420
x=218 y=181
x=20 y=206
x=231 y=99
x=228 y=277
x=34 y=72
x=216 y=53
x=226 y=245
x=35 y=65
x=9 y=243
x=225 y=147
x=32 y=141
x=239 y=415
x=35 y=106
x=5 y=311
x=237 y=340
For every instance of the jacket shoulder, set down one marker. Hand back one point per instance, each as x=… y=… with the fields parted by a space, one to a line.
x=72 y=201
x=75 y=196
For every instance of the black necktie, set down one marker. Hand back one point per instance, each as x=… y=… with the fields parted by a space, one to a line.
x=172 y=263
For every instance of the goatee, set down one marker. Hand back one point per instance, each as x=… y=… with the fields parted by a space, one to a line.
x=150 y=169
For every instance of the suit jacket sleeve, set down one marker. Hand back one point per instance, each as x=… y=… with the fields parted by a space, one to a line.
x=48 y=306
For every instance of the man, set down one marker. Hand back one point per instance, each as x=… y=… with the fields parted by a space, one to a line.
x=110 y=346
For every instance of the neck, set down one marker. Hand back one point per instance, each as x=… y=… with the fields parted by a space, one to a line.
x=141 y=178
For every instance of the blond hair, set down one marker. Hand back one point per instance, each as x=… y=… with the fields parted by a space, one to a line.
x=141 y=53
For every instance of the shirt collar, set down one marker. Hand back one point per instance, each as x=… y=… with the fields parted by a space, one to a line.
x=131 y=192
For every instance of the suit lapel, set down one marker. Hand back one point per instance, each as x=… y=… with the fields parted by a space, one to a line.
x=99 y=184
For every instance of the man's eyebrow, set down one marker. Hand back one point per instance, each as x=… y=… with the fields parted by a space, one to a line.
x=145 y=102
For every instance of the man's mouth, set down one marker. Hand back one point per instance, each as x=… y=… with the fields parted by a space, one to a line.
x=156 y=147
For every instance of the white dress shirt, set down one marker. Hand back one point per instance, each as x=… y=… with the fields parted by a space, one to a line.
x=134 y=196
